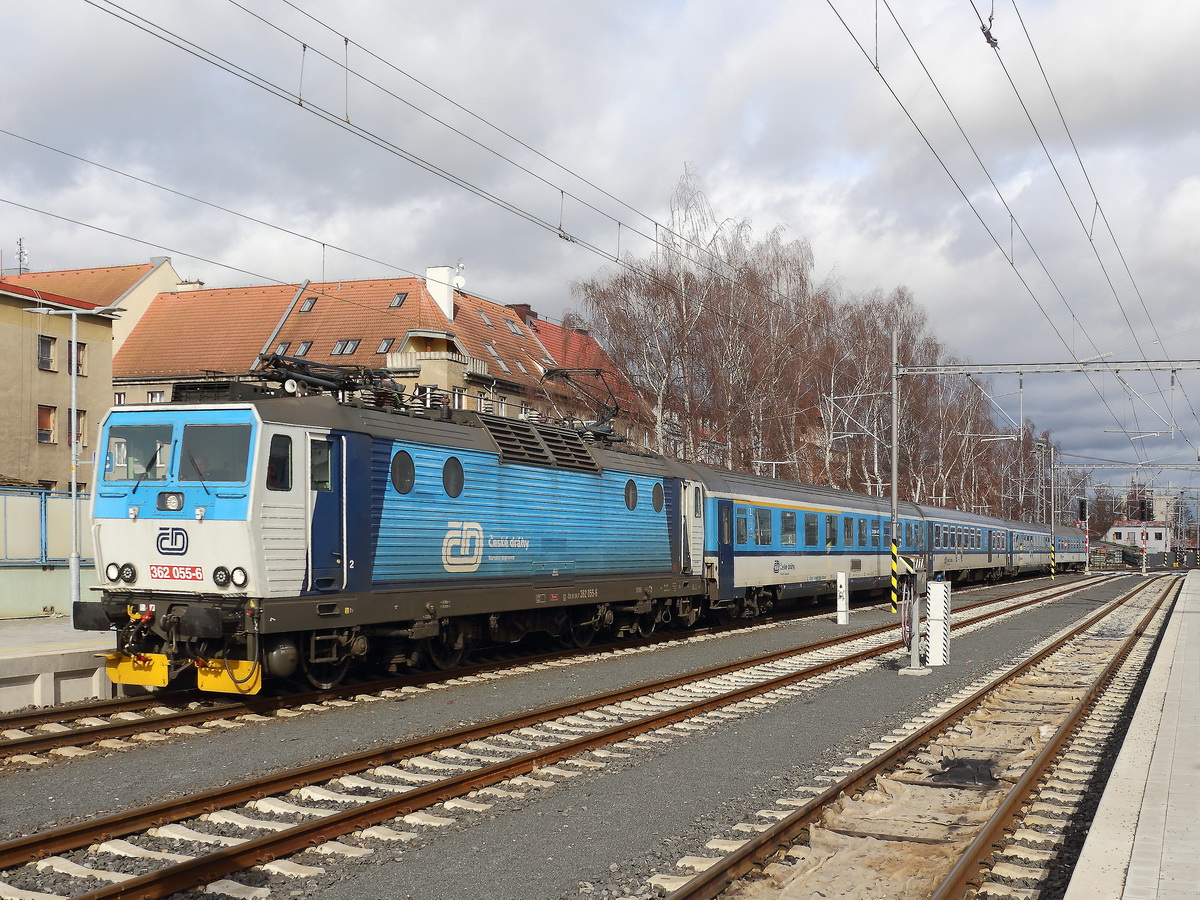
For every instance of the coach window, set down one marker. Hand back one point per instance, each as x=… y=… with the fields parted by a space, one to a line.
x=279 y=463
x=848 y=532
x=831 y=531
x=762 y=527
x=404 y=472
x=811 y=535
x=862 y=532
x=452 y=476
x=875 y=528
x=657 y=497
x=697 y=503
x=787 y=528
x=630 y=495
x=743 y=527
x=726 y=525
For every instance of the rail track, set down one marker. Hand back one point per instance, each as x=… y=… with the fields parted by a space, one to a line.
x=970 y=801
x=33 y=737
x=376 y=797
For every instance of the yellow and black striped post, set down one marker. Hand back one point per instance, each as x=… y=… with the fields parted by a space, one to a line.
x=1052 y=557
x=895 y=607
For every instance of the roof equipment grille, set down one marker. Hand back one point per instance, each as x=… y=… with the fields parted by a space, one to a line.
x=522 y=442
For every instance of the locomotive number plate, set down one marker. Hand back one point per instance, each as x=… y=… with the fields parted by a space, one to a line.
x=177 y=573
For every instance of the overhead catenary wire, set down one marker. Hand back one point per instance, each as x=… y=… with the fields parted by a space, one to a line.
x=966 y=198
x=1066 y=191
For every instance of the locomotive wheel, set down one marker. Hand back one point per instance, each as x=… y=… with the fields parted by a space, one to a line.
x=645 y=625
x=578 y=635
x=445 y=649
x=324 y=675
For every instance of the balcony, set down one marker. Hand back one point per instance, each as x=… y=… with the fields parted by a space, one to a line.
x=410 y=363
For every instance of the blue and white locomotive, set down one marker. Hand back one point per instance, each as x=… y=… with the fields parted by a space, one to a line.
x=294 y=536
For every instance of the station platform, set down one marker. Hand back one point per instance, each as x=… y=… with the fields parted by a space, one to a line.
x=44 y=661
x=1145 y=841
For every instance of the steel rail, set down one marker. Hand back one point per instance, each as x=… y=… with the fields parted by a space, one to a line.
x=985 y=842
x=67 y=838
x=41 y=743
x=710 y=883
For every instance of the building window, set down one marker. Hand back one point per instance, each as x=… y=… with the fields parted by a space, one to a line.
x=283 y=348
x=344 y=348
x=155 y=396
x=46 y=353
x=486 y=320
x=458 y=398
x=46 y=417
x=514 y=327
x=385 y=345
x=521 y=367
x=398 y=300
x=80 y=428
x=78 y=358
x=119 y=398
x=496 y=357
x=302 y=350
x=309 y=303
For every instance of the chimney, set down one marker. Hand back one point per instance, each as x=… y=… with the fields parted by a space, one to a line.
x=524 y=312
x=440 y=285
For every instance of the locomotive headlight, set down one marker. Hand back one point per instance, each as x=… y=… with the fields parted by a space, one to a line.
x=128 y=573
x=239 y=577
x=221 y=576
x=112 y=572
x=170 y=501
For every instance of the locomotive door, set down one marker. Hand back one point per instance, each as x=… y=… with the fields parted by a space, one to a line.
x=327 y=519
x=693 y=528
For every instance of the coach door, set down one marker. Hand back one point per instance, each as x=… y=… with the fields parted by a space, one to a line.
x=693 y=528
x=725 y=589
x=327 y=517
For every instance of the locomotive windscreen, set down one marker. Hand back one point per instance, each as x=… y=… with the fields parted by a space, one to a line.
x=214 y=453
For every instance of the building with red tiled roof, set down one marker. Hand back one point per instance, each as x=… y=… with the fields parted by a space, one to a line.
x=432 y=337
x=35 y=408
x=130 y=287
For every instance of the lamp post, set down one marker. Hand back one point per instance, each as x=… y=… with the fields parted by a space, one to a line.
x=73 y=362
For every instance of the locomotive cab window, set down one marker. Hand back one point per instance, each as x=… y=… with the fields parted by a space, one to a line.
x=214 y=453
x=138 y=452
x=279 y=463
x=320 y=468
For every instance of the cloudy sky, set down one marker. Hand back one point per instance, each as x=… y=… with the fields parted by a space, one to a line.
x=466 y=132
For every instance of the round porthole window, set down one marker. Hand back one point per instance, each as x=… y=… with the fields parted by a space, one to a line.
x=630 y=495
x=452 y=476
x=404 y=472
x=657 y=497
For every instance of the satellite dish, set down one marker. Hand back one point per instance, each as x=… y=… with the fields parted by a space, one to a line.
x=459 y=282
